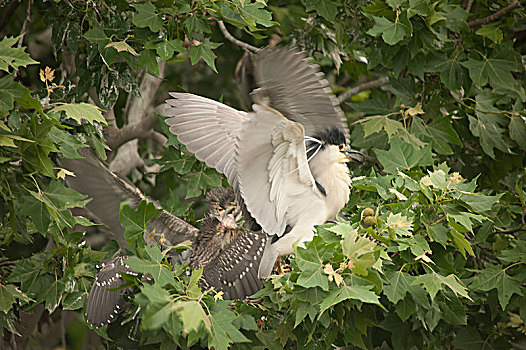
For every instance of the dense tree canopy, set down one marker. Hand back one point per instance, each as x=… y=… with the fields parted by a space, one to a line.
x=433 y=254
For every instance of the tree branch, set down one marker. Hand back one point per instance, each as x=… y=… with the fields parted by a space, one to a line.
x=230 y=37
x=496 y=15
x=116 y=137
x=361 y=87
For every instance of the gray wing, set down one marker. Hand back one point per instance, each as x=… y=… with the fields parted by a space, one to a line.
x=107 y=191
x=274 y=176
x=208 y=129
x=103 y=304
x=235 y=270
x=289 y=83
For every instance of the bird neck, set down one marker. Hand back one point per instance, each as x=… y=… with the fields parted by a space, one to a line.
x=333 y=174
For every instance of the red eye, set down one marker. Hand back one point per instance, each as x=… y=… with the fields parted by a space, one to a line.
x=340 y=147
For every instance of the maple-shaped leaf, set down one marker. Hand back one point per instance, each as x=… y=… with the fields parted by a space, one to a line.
x=8 y=295
x=222 y=330
x=360 y=250
x=495 y=277
x=392 y=32
x=432 y=283
x=13 y=56
x=147 y=17
x=159 y=272
x=452 y=72
x=201 y=180
x=204 y=50
x=495 y=68
x=136 y=222
x=400 y=225
x=361 y=293
x=79 y=111
x=312 y=260
x=399 y=285
x=403 y=156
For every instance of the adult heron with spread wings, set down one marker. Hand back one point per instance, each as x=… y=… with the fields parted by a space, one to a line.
x=286 y=160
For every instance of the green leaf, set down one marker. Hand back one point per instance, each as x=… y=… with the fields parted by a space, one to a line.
x=400 y=225
x=362 y=293
x=159 y=272
x=517 y=130
x=204 y=50
x=79 y=111
x=179 y=162
x=13 y=56
x=491 y=32
x=406 y=308
x=378 y=123
x=462 y=243
x=9 y=92
x=438 y=233
x=403 y=156
x=311 y=262
x=136 y=222
x=284 y=332
x=147 y=17
x=74 y=301
x=325 y=8
x=222 y=332
x=495 y=69
x=432 y=283
x=392 y=32
x=201 y=179
x=453 y=311
x=495 y=277
x=8 y=293
x=399 y=285
x=192 y=314
x=452 y=73
x=166 y=48
x=68 y=144
x=255 y=13
x=37 y=211
x=52 y=295
x=360 y=250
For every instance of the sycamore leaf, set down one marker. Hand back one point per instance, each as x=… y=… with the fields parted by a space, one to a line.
x=392 y=32
x=284 y=332
x=452 y=72
x=517 y=130
x=312 y=260
x=13 y=56
x=403 y=156
x=204 y=50
x=495 y=277
x=256 y=13
x=491 y=32
x=146 y=17
x=8 y=294
x=222 y=331
x=495 y=69
x=201 y=179
x=9 y=92
x=399 y=224
x=360 y=250
x=79 y=111
x=432 y=283
x=136 y=222
x=167 y=48
x=362 y=293
x=326 y=8
x=399 y=285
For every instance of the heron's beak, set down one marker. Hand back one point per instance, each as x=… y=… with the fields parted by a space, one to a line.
x=353 y=154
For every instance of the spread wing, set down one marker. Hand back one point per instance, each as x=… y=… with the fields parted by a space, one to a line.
x=289 y=83
x=208 y=129
x=103 y=304
x=235 y=271
x=274 y=176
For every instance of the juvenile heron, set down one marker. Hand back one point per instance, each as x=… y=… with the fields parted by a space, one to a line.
x=286 y=160
x=220 y=246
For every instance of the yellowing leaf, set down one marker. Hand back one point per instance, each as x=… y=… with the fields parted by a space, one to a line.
x=79 y=111
x=400 y=224
x=122 y=46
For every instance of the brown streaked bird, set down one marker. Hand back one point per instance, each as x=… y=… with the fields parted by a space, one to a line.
x=220 y=247
x=286 y=160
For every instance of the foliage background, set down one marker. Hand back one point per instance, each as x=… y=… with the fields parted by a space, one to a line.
x=433 y=91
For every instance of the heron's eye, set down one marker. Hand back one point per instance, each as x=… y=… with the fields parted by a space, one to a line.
x=341 y=146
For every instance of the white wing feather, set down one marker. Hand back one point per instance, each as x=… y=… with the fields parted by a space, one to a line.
x=274 y=177
x=208 y=129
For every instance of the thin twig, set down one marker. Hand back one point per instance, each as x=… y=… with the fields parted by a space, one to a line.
x=241 y=44
x=363 y=86
x=494 y=16
x=24 y=25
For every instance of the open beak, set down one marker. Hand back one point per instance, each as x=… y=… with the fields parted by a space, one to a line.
x=227 y=220
x=353 y=154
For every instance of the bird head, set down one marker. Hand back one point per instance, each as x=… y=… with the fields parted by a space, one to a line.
x=332 y=142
